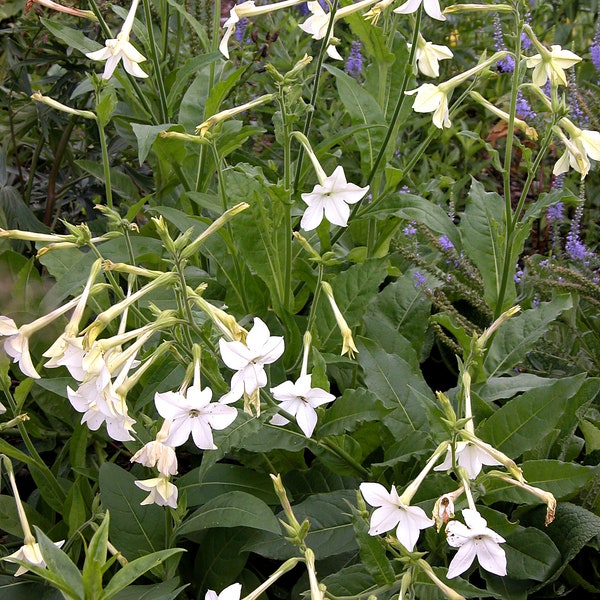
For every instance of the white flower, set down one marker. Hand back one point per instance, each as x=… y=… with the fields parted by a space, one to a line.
x=162 y=491
x=428 y=56
x=67 y=351
x=233 y=592
x=470 y=457
x=31 y=554
x=16 y=345
x=193 y=414
x=159 y=455
x=432 y=98
x=475 y=539
x=316 y=25
x=432 y=8
x=261 y=348
x=331 y=197
x=551 y=65
x=392 y=512
x=300 y=399
x=121 y=48
x=581 y=145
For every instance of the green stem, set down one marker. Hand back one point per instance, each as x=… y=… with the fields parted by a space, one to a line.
x=105 y=165
x=315 y=90
x=287 y=220
x=341 y=453
x=162 y=95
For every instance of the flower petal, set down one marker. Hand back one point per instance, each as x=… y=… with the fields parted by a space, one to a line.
x=462 y=560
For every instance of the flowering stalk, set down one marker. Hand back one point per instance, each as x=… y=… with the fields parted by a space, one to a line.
x=288 y=565
x=445 y=589
x=460 y=8
x=86 y=114
x=319 y=171
x=413 y=487
x=86 y=14
x=348 y=345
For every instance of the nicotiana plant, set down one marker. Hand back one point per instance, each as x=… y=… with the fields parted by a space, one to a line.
x=300 y=336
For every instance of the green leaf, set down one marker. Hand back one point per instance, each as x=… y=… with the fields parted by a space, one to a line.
x=522 y=422
x=60 y=564
x=146 y=136
x=9 y=517
x=167 y=590
x=331 y=531
x=134 y=569
x=349 y=412
x=135 y=530
x=95 y=559
x=519 y=334
x=233 y=509
x=223 y=478
x=373 y=553
x=363 y=110
x=530 y=554
x=71 y=37
x=562 y=479
x=483 y=233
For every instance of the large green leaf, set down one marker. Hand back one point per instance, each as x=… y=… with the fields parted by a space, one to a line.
x=330 y=533
x=522 y=422
x=483 y=232
x=233 y=509
x=73 y=38
x=363 y=110
x=519 y=334
x=135 y=530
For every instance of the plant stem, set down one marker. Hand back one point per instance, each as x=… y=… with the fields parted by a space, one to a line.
x=162 y=95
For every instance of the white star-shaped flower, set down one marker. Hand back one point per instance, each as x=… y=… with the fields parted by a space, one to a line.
x=581 y=145
x=316 y=25
x=392 y=512
x=249 y=359
x=432 y=8
x=331 y=197
x=432 y=98
x=162 y=491
x=428 y=56
x=551 y=65
x=233 y=592
x=470 y=457
x=193 y=414
x=120 y=48
x=475 y=539
x=30 y=554
x=300 y=399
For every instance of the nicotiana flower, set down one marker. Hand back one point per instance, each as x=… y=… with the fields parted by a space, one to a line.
x=331 y=197
x=244 y=10
x=428 y=56
x=432 y=8
x=549 y=64
x=193 y=414
x=120 y=48
x=470 y=457
x=249 y=359
x=31 y=554
x=162 y=491
x=300 y=399
x=475 y=539
x=435 y=98
x=392 y=512
x=581 y=145
x=158 y=454
x=233 y=592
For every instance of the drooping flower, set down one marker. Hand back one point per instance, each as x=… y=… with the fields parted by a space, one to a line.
x=233 y=592
x=162 y=491
x=469 y=456
x=249 y=359
x=428 y=56
x=193 y=414
x=392 y=512
x=581 y=145
x=120 y=48
x=331 y=197
x=300 y=399
x=31 y=554
x=158 y=454
x=432 y=8
x=475 y=539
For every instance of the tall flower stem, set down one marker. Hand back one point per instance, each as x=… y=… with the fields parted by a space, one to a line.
x=315 y=90
x=162 y=95
x=105 y=164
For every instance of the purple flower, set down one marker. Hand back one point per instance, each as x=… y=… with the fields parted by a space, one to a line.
x=240 y=29
x=507 y=64
x=577 y=114
x=405 y=189
x=445 y=243
x=574 y=246
x=555 y=212
x=354 y=62
x=524 y=110
x=420 y=279
x=410 y=229
x=558 y=181
x=518 y=274
x=595 y=47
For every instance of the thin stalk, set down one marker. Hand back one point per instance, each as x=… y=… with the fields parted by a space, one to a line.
x=162 y=95
x=287 y=220
x=34 y=161
x=315 y=91
x=105 y=165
